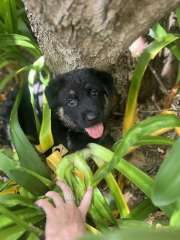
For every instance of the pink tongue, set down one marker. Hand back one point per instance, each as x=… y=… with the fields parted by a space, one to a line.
x=95 y=131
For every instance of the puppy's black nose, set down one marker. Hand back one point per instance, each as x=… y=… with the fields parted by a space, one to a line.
x=90 y=116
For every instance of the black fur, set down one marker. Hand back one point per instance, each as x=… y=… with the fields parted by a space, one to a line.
x=78 y=99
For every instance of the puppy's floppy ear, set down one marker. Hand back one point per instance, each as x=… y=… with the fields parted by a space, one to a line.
x=52 y=90
x=107 y=81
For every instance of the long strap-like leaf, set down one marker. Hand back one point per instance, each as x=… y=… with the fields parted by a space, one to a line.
x=28 y=157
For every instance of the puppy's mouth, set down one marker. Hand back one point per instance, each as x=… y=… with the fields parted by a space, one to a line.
x=95 y=131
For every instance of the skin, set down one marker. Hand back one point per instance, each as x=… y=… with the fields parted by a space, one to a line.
x=64 y=220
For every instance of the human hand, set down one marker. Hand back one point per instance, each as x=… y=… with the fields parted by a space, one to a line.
x=64 y=220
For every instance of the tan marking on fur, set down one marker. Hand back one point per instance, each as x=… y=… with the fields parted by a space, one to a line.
x=65 y=118
x=72 y=92
x=61 y=112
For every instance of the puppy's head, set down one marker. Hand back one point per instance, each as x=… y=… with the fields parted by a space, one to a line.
x=81 y=99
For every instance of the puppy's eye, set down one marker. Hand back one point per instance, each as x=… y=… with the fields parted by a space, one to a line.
x=93 y=92
x=72 y=102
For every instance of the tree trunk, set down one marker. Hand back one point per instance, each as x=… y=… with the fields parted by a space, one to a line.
x=90 y=33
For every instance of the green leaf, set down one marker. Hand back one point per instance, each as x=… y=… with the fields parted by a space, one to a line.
x=100 y=211
x=28 y=157
x=4 y=63
x=158 y=32
x=46 y=138
x=143 y=210
x=178 y=75
x=33 y=236
x=138 y=177
x=178 y=16
x=48 y=183
x=135 y=175
x=6 y=163
x=118 y=195
x=26 y=226
x=32 y=181
x=2 y=27
x=8 y=40
x=175 y=49
x=137 y=231
x=12 y=15
x=5 y=185
x=175 y=218
x=8 y=78
x=166 y=188
x=12 y=200
x=157 y=140
x=25 y=193
x=131 y=138
x=44 y=132
x=8 y=18
x=31 y=81
x=149 y=53
x=28 y=180
x=12 y=233
x=39 y=64
x=23 y=214
x=32 y=77
x=114 y=187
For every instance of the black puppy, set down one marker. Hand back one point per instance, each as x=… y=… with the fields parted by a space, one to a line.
x=80 y=101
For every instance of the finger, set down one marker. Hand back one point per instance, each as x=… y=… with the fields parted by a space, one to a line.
x=67 y=192
x=85 y=202
x=57 y=200
x=45 y=205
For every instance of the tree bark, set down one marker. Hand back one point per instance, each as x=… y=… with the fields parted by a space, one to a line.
x=90 y=33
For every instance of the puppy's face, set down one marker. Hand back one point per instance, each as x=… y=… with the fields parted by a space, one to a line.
x=81 y=99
